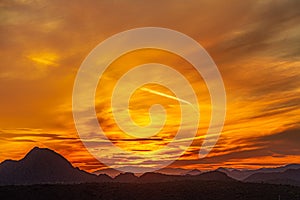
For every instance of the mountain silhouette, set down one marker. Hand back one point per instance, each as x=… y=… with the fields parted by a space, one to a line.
x=173 y=171
x=42 y=165
x=289 y=177
x=126 y=177
x=155 y=177
x=168 y=171
x=108 y=171
x=212 y=176
x=194 y=172
x=45 y=166
x=152 y=177
x=243 y=174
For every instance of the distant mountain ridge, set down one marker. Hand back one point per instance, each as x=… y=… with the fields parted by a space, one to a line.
x=243 y=174
x=168 y=171
x=154 y=177
x=45 y=166
x=290 y=177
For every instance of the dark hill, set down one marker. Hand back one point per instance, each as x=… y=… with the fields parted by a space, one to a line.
x=290 y=176
x=243 y=174
x=207 y=176
x=43 y=165
x=212 y=176
x=194 y=172
x=152 y=177
x=126 y=178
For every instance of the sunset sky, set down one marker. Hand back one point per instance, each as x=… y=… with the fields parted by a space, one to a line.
x=255 y=44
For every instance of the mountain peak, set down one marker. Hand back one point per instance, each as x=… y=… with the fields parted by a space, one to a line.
x=194 y=172
x=46 y=157
x=126 y=177
x=41 y=165
x=292 y=166
x=38 y=150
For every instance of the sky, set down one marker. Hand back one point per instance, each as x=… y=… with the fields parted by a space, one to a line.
x=255 y=45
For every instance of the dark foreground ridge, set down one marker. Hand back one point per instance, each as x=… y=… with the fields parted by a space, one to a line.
x=41 y=166
x=45 y=166
x=178 y=190
x=46 y=175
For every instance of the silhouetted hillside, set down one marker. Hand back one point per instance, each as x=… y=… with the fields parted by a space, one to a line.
x=43 y=166
x=243 y=174
x=152 y=177
x=168 y=171
x=108 y=171
x=126 y=178
x=212 y=176
x=290 y=176
x=173 y=171
x=194 y=172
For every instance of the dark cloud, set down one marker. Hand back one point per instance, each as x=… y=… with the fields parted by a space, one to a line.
x=284 y=143
x=259 y=34
x=278 y=108
x=277 y=145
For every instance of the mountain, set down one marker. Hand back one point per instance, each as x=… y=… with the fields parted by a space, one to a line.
x=167 y=171
x=108 y=171
x=154 y=177
x=290 y=177
x=45 y=166
x=194 y=172
x=173 y=171
x=42 y=165
x=212 y=176
x=243 y=174
x=126 y=177
x=236 y=174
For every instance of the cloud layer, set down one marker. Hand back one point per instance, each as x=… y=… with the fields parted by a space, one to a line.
x=254 y=44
